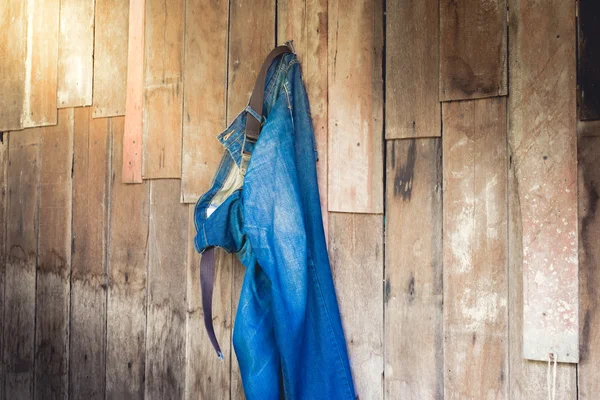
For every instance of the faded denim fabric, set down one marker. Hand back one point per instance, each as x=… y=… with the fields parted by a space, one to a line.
x=264 y=206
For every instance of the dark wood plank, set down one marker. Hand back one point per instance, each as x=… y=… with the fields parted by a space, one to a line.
x=127 y=267
x=21 y=245
x=91 y=181
x=473 y=52
x=3 y=250
x=413 y=270
x=412 y=69
x=589 y=59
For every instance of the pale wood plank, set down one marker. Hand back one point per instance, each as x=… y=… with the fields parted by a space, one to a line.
x=204 y=102
x=134 y=105
x=414 y=355
x=91 y=181
x=166 y=315
x=110 y=57
x=21 y=244
x=475 y=249
x=588 y=373
x=542 y=139
x=412 y=69
x=356 y=253
x=127 y=261
x=3 y=250
x=355 y=106
x=75 y=53
x=163 y=89
x=305 y=22
x=473 y=50
x=206 y=376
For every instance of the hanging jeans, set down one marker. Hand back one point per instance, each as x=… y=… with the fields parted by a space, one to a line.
x=264 y=207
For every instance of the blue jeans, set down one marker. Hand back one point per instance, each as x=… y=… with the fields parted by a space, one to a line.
x=264 y=206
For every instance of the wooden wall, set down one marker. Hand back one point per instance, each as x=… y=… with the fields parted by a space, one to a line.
x=436 y=123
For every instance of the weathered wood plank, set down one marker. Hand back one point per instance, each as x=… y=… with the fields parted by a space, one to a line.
x=54 y=259
x=207 y=376
x=21 y=244
x=305 y=22
x=588 y=372
x=413 y=270
x=204 y=102
x=542 y=139
x=110 y=57
x=134 y=105
x=127 y=260
x=356 y=253
x=355 y=106
x=473 y=50
x=412 y=65
x=475 y=249
x=589 y=59
x=75 y=53
x=166 y=315
x=3 y=250
x=91 y=181
x=163 y=89
x=588 y=128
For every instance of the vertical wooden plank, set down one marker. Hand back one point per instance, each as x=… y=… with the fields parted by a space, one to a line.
x=132 y=141
x=204 y=102
x=110 y=57
x=542 y=139
x=413 y=270
x=356 y=253
x=3 y=250
x=21 y=244
x=91 y=180
x=355 y=106
x=75 y=53
x=589 y=59
x=305 y=22
x=412 y=69
x=54 y=259
x=473 y=49
x=163 y=89
x=127 y=260
x=206 y=376
x=166 y=315
x=588 y=372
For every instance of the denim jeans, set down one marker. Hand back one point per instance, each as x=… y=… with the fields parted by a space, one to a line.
x=264 y=206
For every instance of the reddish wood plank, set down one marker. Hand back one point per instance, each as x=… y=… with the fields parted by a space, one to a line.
x=110 y=57
x=21 y=244
x=132 y=141
x=543 y=139
x=413 y=270
x=163 y=89
x=204 y=102
x=355 y=106
x=473 y=52
x=412 y=69
x=127 y=264
x=75 y=53
x=475 y=249
x=3 y=250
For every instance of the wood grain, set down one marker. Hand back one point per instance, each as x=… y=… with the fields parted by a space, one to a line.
x=356 y=253
x=75 y=53
x=473 y=52
x=3 y=250
x=21 y=244
x=355 y=106
x=475 y=249
x=91 y=182
x=134 y=104
x=127 y=264
x=166 y=315
x=413 y=270
x=110 y=57
x=542 y=139
x=204 y=101
x=163 y=89
x=412 y=69
x=305 y=22
x=589 y=59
